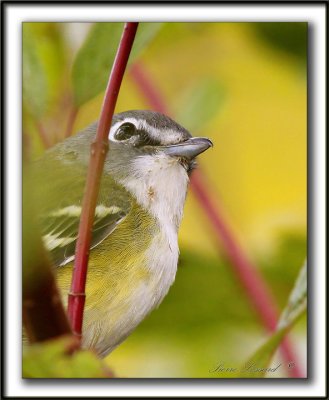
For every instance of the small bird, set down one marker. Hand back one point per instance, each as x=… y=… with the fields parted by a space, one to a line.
x=134 y=249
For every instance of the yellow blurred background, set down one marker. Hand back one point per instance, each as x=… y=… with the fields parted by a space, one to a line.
x=257 y=168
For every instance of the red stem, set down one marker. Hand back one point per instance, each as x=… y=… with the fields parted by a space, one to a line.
x=99 y=148
x=147 y=88
x=253 y=283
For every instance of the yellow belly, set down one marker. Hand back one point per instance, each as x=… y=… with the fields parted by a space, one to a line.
x=122 y=285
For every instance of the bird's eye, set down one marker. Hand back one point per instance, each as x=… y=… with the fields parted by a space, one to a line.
x=126 y=131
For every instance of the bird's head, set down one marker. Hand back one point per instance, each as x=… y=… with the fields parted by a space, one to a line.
x=139 y=138
x=152 y=157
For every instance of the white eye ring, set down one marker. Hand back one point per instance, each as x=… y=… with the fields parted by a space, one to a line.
x=114 y=129
x=125 y=131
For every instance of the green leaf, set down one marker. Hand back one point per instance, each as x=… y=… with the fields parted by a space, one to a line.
x=35 y=91
x=53 y=53
x=297 y=301
x=287 y=36
x=94 y=60
x=259 y=363
x=200 y=104
x=48 y=360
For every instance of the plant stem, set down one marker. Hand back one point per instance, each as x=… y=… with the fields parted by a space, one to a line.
x=99 y=148
x=254 y=285
x=147 y=88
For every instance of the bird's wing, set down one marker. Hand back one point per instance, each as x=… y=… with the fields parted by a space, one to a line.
x=60 y=228
x=60 y=185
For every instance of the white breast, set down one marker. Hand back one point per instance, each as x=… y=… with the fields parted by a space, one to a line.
x=159 y=183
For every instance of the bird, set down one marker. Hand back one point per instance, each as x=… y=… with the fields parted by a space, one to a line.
x=134 y=248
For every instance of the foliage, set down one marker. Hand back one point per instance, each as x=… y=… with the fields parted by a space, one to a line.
x=295 y=308
x=35 y=90
x=200 y=103
x=45 y=66
x=95 y=58
x=49 y=360
x=286 y=36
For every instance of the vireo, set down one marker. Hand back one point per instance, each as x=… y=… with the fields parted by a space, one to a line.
x=134 y=249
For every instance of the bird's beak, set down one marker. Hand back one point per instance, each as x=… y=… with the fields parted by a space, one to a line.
x=188 y=149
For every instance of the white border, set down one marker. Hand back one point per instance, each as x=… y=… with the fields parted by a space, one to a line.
x=14 y=385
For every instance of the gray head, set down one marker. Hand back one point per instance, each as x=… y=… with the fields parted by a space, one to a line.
x=152 y=156
x=134 y=135
x=138 y=133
